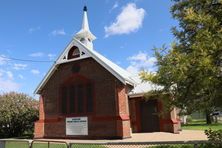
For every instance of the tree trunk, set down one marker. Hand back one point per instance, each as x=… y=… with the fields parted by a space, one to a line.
x=208 y=117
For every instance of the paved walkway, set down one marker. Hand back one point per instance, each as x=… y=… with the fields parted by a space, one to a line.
x=185 y=135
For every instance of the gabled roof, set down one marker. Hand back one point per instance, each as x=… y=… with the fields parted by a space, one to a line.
x=121 y=74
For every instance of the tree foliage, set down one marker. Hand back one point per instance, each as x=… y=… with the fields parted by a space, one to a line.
x=191 y=70
x=18 y=112
x=214 y=137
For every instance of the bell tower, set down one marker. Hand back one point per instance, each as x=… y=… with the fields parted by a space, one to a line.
x=84 y=35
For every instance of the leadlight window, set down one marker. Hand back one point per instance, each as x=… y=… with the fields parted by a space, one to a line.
x=64 y=100
x=72 y=102
x=77 y=99
x=80 y=99
x=89 y=99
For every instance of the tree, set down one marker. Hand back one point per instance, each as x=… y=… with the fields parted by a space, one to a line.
x=191 y=70
x=18 y=112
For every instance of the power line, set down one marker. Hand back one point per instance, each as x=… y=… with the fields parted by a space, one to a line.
x=25 y=60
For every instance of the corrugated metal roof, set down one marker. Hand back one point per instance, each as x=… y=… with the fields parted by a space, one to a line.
x=142 y=87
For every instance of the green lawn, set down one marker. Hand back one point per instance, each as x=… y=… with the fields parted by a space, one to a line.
x=87 y=146
x=173 y=146
x=17 y=144
x=201 y=125
x=38 y=145
x=45 y=145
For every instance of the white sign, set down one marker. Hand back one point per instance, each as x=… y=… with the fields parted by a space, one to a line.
x=77 y=126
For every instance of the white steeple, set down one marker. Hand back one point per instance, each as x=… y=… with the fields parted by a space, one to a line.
x=84 y=35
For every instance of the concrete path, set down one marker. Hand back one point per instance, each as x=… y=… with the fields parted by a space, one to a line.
x=185 y=135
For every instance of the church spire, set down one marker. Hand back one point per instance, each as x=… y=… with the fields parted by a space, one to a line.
x=85 y=24
x=85 y=35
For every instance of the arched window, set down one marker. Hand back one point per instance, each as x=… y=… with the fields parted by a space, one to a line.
x=73 y=52
x=76 y=96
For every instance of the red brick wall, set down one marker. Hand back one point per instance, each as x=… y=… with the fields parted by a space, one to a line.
x=39 y=126
x=123 y=125
x=39 y=130
x=41 y=109
x=169 y=120
x=110 y=118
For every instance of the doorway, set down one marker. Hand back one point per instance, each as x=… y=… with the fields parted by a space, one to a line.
x=149 y=116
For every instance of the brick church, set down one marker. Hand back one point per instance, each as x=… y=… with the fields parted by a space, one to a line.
x=86 y=96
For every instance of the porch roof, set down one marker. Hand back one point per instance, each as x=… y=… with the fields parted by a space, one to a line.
x=141 y=88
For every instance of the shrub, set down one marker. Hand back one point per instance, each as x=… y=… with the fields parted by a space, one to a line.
x=18 y=112
x=214 y=138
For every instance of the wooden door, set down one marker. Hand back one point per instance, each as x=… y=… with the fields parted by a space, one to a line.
x=149 y=116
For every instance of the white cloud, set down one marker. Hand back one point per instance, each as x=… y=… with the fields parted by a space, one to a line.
x=35 y=71
x=6 y=82
x=58 y=32
x=33 y=29
x=141 y=61
x=1 y=74
x=9 y=74
x=8 y=85
x=37 y=54
x=21 y=76
x=19 y=66
x=4 y=74
x=129 y=20
x=3 y=60
x=51 y=56
x=141 y=56
x=116 y=4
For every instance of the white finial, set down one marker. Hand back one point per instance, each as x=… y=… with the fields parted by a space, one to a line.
x=84 y=35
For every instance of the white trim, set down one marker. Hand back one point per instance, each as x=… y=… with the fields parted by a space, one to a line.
x=71 y=60
x=125 y=79
x=136 y=95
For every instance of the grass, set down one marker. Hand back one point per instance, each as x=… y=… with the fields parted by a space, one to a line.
x=173 y=146
x=18 y=144
x=86 y=146
x=45 y=145
x=22 y=144
x=201 y=125
x=59 y=145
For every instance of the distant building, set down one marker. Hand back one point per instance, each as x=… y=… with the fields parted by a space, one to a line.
x=85 y=95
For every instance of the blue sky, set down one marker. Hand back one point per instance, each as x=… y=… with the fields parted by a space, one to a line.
x=126 y=31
